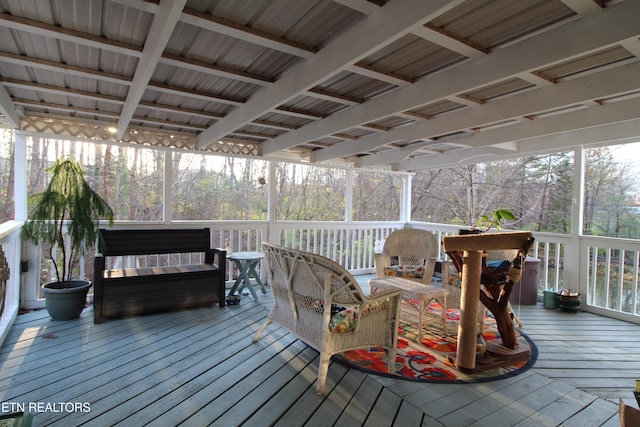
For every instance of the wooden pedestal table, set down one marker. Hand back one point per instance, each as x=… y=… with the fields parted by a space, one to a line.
x=496 y=299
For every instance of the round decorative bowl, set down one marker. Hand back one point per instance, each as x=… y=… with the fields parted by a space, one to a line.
x=569 y=303
x=233 y=300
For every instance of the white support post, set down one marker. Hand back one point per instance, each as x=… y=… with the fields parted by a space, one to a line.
x=576 y=279
x=20 y=176
x=167 y=212
x=348 y=199
x=405 y=203
x=273 y=236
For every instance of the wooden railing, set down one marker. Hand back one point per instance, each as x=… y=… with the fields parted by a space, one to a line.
x=349 y=244
x=566 y=261
x=9 y=289
x=611 y=272
x=352 y=244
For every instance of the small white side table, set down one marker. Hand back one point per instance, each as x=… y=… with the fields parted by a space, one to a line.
x=413 y=292
x=247 y=263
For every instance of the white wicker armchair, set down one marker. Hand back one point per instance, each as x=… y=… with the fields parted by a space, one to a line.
x=306 y=286
x=411 y=247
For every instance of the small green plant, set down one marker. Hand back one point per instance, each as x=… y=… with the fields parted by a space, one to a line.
x=67 y=199
x=485 y=222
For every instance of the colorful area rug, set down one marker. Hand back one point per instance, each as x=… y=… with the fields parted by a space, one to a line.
x=429 y=361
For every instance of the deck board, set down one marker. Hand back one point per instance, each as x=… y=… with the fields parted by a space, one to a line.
x=201 y=367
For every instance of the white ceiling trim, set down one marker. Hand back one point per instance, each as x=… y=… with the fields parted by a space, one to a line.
x=377 y=75
x=238 y=32
x=574 y=120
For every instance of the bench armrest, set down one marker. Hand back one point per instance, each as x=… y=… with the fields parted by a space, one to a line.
x=98 y=287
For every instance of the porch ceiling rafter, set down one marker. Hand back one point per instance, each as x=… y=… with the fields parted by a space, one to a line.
x=613 y=133
x=103 y=43
x=612 y=82
x=529 y=136
x=163 y=24
x=572 y=40
x=383 y=27
x=8 y=108
x=367 y=83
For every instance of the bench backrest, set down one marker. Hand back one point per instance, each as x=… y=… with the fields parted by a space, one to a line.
x=155 y=241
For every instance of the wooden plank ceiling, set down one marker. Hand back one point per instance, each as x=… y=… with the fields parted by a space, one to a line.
x=399 y=84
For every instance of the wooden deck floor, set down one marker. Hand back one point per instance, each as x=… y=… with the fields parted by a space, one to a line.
x=199 y=367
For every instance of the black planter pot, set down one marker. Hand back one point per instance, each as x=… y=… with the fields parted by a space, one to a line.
x=66 y=300
x=465 y=231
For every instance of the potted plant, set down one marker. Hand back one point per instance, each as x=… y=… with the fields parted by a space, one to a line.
x=495 y=220
x=485 y=223
x=70 y=200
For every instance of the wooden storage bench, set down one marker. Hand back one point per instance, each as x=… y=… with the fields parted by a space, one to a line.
x=129 y=291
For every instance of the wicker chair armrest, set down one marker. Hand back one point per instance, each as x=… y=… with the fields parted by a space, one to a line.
x=382 y=261
x=382 y=295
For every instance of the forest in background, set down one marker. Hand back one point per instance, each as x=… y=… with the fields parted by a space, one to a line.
x=207 y=187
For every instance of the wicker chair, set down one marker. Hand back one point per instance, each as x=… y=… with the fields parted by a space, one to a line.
x=306 y=287
x=411 y=247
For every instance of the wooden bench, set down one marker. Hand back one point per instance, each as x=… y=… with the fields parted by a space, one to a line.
x=166 y=286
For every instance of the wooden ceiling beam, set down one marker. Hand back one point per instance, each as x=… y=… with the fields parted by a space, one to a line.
x=214 y=70
x=163 y=24
x=63 y=91
x=378 y=74
x=241 y=32
x=65 y=34
x=450 y=41
x=573 y=39
x=383 y=28
x=621 y=80
x=43 y=64
x=102 y=43
x=8 y=108
x=609 y=122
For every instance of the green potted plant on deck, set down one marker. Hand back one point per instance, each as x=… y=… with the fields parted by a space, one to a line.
x=70 y=200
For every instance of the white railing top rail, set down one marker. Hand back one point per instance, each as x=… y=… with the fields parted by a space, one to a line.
x=552 y=248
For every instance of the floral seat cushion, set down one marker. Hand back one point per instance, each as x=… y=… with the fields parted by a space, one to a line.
x=344 y=321
x=406 y=271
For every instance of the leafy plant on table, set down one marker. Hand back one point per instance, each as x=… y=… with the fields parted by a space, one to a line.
x=485 y=223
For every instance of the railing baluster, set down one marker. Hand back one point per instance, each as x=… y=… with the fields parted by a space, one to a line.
x=634 y=282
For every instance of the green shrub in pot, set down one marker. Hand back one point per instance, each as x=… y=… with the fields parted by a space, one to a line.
x=68 y=199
